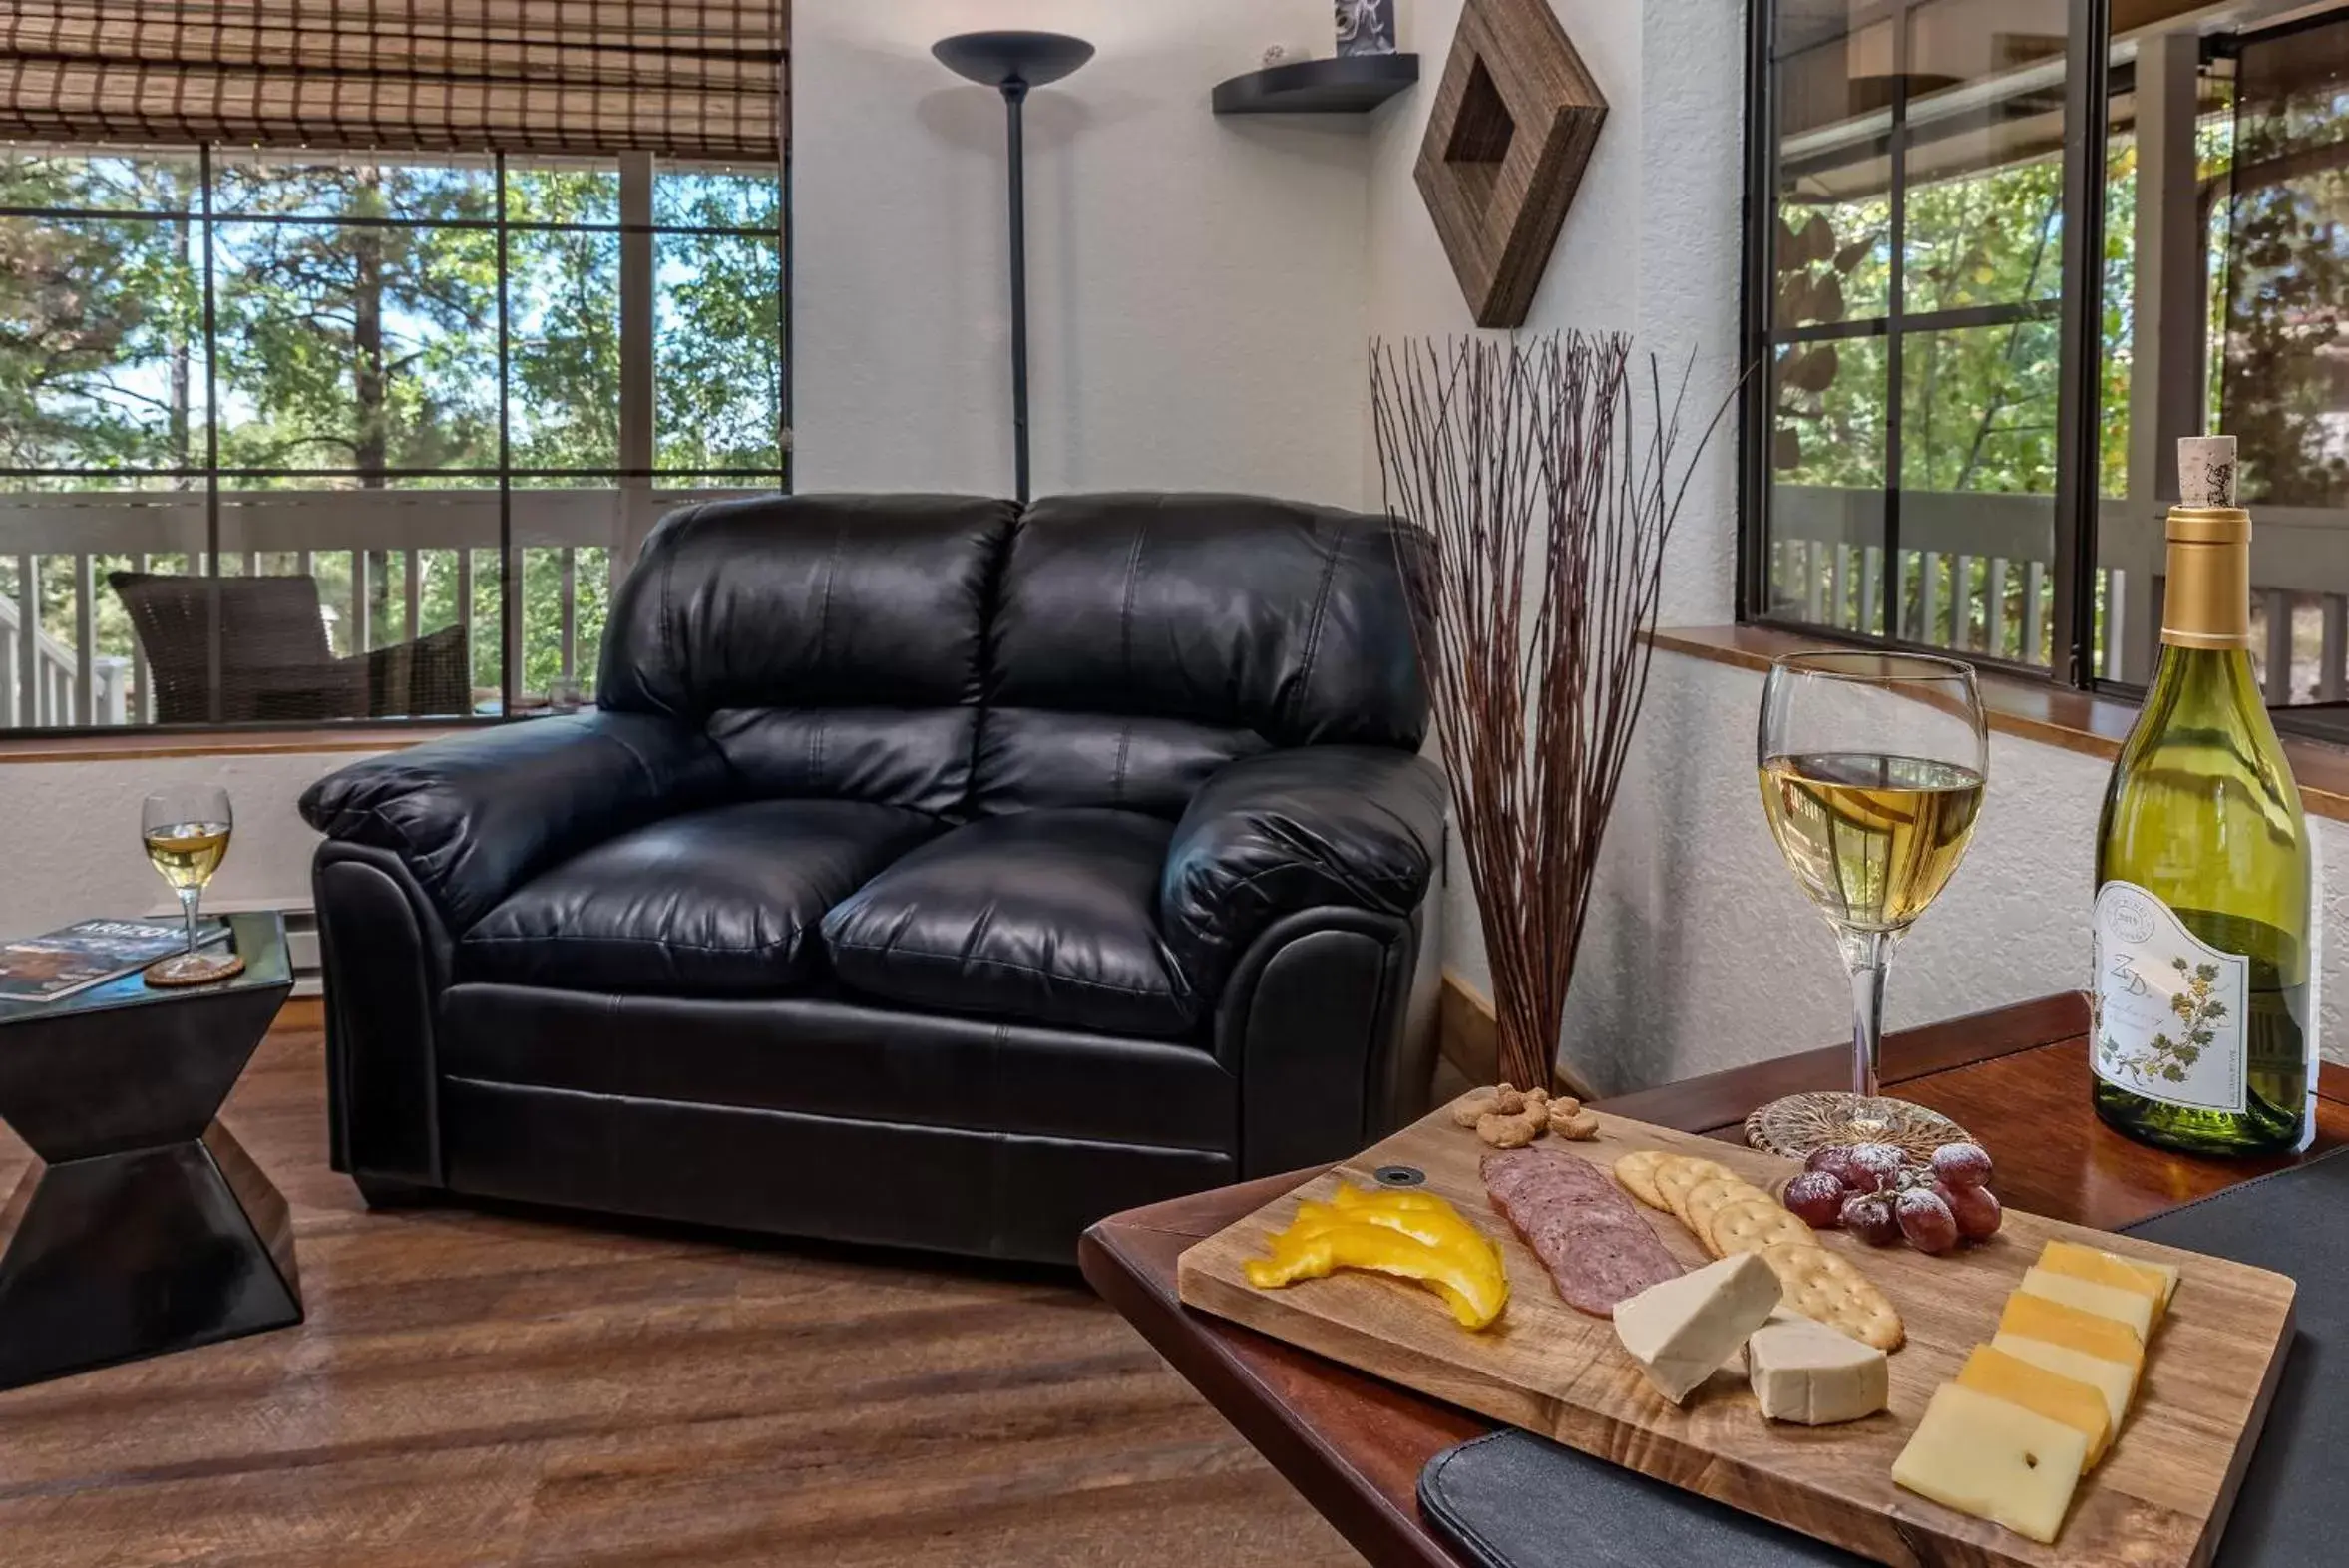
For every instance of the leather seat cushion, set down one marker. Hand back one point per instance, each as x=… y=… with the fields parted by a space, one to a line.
x=1047 y=916
x=717 y=903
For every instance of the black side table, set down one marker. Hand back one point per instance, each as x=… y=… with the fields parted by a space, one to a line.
x=141 y=1227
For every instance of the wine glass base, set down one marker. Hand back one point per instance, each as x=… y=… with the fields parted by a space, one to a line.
x=194 y=969
x=1800 y=1123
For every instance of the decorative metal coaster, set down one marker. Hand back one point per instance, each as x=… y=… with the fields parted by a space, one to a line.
x=210 y=968
x=1801 y=1123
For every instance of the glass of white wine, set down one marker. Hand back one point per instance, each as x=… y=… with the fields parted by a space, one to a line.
x=185 y=831
x=1872 y=767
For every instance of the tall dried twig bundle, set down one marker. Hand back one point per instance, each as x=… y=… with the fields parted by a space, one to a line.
x=1545 y=501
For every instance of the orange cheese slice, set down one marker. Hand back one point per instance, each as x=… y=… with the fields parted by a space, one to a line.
x=1993 y=1371
x=2099 y=1267
x=2037 y=1318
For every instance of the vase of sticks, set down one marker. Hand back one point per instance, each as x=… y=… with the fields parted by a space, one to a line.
x=1541 y=477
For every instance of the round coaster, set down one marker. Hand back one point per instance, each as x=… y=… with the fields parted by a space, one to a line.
x=198 y=968
x=1801 y=1123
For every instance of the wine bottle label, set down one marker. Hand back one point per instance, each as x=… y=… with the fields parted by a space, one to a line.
x=2168 y=1007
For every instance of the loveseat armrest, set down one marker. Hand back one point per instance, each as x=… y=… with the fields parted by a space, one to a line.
x=1354 y=827
x=474 y=816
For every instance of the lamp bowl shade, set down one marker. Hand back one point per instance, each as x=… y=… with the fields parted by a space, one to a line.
x=1000 y=58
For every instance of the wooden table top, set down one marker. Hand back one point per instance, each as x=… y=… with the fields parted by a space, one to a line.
x=2016 y=1079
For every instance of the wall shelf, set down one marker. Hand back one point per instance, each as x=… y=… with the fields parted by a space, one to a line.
x=1347 y=85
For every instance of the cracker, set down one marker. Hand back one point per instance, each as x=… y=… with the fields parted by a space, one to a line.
x=1829 y=1286
x=1637 y=1172
x=1751 y=1224
x=1708 y=1197
x=1680 y=1172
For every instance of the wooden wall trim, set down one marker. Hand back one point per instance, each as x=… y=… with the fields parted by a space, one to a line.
x=135 y=745
x=1469 y=1039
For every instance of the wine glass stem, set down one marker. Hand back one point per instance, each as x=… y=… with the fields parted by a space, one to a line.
x=187 y=902
x=1868 y=954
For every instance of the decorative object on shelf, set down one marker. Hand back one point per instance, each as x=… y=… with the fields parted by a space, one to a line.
x=1366 y=27
x=1348 y=84
x=1013 y=62
x=1517 y=116
x=1800 y=1123
x=1280 y=54
x=1543 y=476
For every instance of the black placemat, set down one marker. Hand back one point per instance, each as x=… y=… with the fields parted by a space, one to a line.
x=1515 y=1500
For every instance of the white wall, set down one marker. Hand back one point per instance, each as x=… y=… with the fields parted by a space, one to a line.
x=1197 y=284
x=73 y=834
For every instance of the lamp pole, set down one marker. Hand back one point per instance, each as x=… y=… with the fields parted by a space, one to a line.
x=1014 y=106
x=1013 y=62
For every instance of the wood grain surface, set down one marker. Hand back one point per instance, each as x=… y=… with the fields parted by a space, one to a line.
x=2158 y=1498
x=506 y=1388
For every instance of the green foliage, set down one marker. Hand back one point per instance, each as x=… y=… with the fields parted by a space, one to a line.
x=352 y=344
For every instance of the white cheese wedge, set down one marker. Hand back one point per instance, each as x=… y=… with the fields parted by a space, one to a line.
x=1809 y=1374
x=1681 y=1331
x=1994 y=1461
x=2106 y=1300
x=2110 y=1378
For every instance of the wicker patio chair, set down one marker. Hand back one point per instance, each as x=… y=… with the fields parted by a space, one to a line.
x=276 y=662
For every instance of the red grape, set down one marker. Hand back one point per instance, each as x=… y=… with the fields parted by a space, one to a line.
x=1874 y=1166
x=1962 y=1165
x=1869 y=1217
x=1976 y=1209
x=1834 y=1159
x=1926 y=1221
x=1816 y=1199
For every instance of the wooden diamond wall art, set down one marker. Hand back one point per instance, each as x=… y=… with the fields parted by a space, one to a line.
x=1516 y=117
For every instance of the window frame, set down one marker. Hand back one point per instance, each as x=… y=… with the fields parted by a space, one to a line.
x=637 y=485
x=2087 y=88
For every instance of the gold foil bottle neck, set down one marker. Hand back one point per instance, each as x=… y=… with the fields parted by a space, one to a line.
x=2208 y=579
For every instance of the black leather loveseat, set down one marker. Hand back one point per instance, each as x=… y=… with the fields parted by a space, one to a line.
x=932 y=873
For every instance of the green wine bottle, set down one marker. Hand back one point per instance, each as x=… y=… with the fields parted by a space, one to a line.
x=2200 y=1038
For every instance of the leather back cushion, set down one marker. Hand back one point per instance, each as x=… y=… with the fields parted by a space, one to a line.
x=1143 y=640
x=832 y=644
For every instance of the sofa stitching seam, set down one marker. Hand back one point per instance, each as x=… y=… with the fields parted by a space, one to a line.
x=1312 y=636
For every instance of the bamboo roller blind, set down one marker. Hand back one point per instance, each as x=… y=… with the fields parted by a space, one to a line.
x=688 y=77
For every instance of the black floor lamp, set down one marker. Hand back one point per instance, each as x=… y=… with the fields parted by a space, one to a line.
x=1013 y=62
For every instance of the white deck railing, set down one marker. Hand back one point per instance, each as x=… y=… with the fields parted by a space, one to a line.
x=55 y=676
x=1980 y=563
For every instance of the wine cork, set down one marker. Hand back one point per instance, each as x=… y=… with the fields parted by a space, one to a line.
x=2206 y=471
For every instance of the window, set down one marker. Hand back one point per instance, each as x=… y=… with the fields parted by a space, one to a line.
x=293 y=436
x=1978 y=348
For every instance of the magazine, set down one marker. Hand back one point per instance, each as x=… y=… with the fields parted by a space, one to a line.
x=90 y=953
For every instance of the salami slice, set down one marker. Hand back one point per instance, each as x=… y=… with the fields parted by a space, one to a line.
x=1598 y=1248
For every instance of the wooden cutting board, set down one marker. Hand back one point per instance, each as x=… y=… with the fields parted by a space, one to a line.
x=2159 y=1497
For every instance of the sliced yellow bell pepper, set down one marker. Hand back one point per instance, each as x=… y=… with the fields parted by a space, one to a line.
x=1420 y=1214
x=1424 y=1240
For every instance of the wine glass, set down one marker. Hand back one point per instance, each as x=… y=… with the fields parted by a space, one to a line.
x=1872 y=767
x=185 y=831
